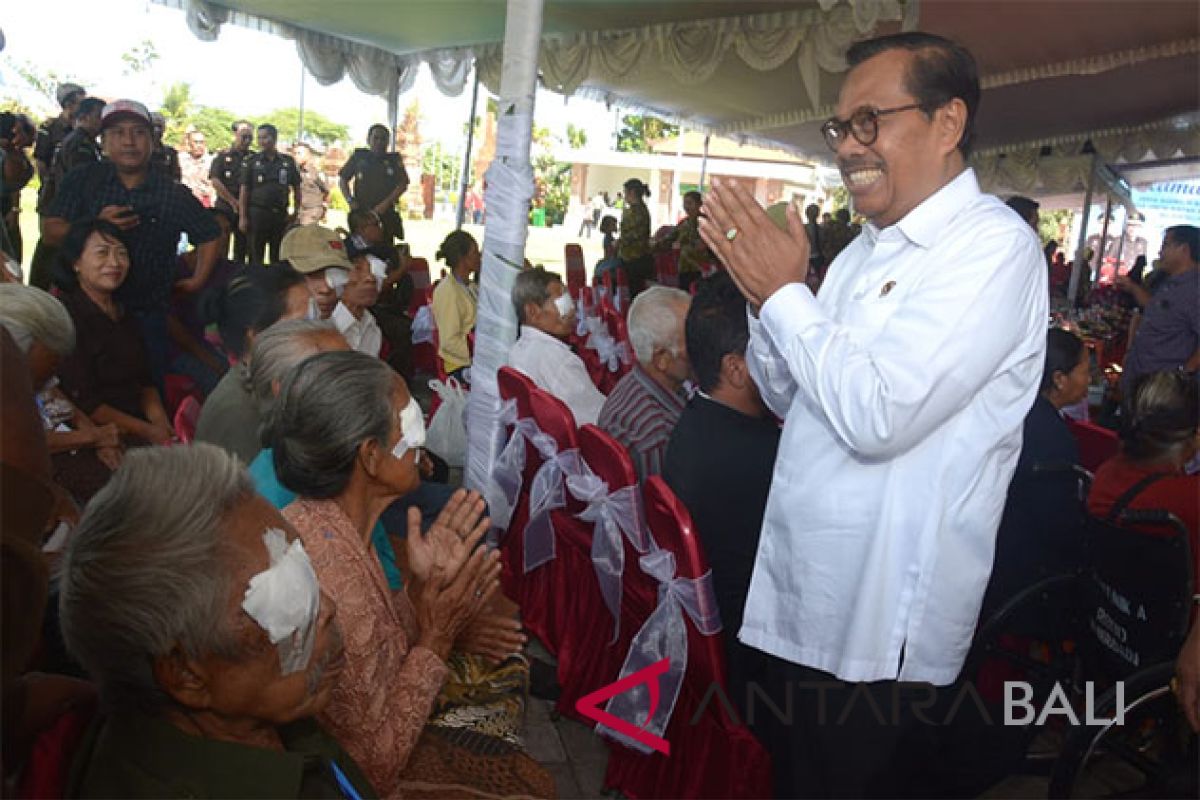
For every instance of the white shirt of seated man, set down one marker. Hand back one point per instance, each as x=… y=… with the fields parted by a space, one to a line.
x=547 y=318
x=903 y=387
x=359 y=291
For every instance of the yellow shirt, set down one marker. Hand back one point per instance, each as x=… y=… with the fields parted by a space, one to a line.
x=454 y=316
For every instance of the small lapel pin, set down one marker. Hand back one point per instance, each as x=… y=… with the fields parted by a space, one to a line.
x=887 y=287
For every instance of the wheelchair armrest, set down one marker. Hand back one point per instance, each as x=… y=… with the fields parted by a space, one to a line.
x=1155 y=516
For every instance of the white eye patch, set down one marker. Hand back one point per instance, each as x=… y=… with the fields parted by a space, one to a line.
x=337 y=278
x=412 y=429
x=564 y=304
x=285 y=599
x=379 y=269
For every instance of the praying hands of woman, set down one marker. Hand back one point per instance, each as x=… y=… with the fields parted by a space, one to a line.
x=451 y=538
x=761 y=258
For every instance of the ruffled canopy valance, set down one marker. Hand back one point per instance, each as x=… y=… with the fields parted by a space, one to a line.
x=1063 y=164
x=689 y=51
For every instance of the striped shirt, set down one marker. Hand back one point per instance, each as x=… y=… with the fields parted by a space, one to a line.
x=640 y=414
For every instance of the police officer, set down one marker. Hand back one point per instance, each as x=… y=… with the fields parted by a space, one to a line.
x=52 y=131
x=263 y=202
x=226 y=177
x=379 y=180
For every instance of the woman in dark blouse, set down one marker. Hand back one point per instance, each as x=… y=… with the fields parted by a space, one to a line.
x=107 y=376
x=1040 y=531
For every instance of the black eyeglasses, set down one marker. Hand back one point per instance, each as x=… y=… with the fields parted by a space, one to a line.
x=863 y=125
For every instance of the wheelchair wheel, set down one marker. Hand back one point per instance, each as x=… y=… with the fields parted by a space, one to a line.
x=1153 y=754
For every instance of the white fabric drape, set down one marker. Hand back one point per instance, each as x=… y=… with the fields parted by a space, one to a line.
x=509 y=189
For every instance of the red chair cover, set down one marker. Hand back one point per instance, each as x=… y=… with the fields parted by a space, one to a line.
x=1096 y=443
x=418 y=268
x=716 y=757
x=45 y=772
x=177 y=388
x=623 y=299
x=576 y=270
x=542 y=592
x=666 y=265
x=186 y=417
x=590 y=661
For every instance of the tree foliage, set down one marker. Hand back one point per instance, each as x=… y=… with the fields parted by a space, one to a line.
x=44 y=83
x=638 y=130
x=140 y=58
x=318 y=129
x=576 y=137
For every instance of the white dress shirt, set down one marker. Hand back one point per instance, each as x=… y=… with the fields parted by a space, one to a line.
x=903 y=386
x=552 y=365
x=362 y=334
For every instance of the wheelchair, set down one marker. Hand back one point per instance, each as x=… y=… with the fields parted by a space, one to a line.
x=1135 y=608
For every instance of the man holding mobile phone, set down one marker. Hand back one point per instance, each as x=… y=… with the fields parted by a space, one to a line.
x=151 y=210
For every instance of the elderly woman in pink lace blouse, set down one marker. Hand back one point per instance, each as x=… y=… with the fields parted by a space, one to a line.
x=345 y=434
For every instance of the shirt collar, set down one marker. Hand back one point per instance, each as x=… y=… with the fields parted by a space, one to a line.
x=536 y=335
x=342 y=317
x=672 y=400
x=924 y=224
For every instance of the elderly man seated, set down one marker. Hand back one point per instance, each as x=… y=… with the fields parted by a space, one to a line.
x=547 y=316
x=219 y=648
x=720 y=457
x=642 y=409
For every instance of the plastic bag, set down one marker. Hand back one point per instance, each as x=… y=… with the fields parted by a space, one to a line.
x=422 y=326
x=447 y=434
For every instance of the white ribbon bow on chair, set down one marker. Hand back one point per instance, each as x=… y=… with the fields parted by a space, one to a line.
x=546 y=494
x=664 y=635
x=611 y=514
x=609 y=350
x=505 y=487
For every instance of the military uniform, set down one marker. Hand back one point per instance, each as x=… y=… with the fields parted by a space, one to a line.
x=226 y=169
x=49 y=136
x=312 y=196
x=78 y=148
x=268 y=180
x=374 y=178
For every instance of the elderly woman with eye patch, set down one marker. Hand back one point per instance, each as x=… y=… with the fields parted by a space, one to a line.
x=345 y=435
x=218 y=649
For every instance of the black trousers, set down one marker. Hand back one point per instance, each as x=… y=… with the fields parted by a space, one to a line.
x=829 y=738
x=265 y=231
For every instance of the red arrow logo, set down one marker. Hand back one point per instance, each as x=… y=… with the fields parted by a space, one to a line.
x=589 y=705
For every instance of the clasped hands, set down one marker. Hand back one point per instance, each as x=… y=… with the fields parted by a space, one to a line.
x=456 y=583
x=760 y=257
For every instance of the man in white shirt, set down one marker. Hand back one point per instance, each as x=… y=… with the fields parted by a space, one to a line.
x=352 y=314
x=547 y=316
x=903 y=388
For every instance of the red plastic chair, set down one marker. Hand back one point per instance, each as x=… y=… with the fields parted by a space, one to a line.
x=576 y=269
x=512 y=384
x=47 y=768
x=717 y=756
x=1097 y=444
x=186 y=417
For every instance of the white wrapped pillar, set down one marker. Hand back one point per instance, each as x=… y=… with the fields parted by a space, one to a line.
x=509 y=189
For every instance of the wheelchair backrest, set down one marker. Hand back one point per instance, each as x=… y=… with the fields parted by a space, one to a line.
x=1137 y=590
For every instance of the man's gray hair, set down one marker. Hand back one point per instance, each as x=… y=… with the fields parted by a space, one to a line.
x=531 y=286
x=328 y=406
x=31 y=315
x=276 y=351
x=656 y=321
x=146 y=569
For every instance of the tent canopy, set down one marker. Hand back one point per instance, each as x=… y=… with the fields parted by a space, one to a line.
x=1051 y=69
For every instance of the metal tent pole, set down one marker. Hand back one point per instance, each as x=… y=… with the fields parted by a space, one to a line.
x=1073 y=286
x=704 y=162
x=466 y=166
